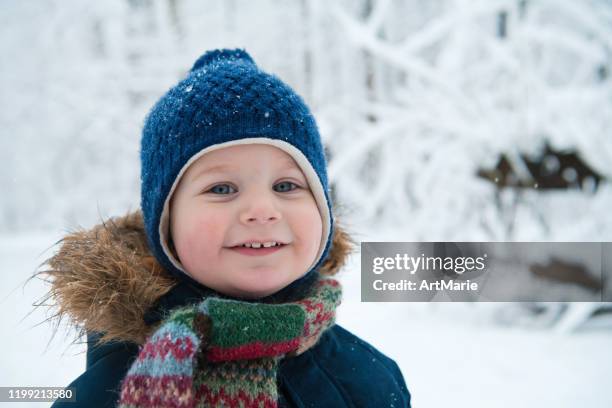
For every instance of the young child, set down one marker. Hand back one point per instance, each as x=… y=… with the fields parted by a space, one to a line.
x=219 y=293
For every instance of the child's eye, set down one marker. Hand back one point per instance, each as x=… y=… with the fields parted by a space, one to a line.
x=222 y=189
x=285 y=186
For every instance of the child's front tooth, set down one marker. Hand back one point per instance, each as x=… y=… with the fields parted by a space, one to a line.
x=256 y=244
x=268 y=244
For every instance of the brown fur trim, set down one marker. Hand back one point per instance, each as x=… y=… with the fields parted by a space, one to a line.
x=105 y=279
x=341 y=247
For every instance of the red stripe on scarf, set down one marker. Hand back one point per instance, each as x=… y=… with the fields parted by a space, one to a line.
x=251 y=350
x=169 y=391
x=330 y=282
x=181 y=348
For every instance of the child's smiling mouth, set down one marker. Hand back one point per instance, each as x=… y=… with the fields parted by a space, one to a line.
x=258 y=247
x=257 y=251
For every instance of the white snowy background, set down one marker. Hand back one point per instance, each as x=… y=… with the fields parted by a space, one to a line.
x=412 y=97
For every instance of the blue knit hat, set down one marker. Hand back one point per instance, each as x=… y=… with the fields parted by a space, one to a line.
x=225 y=100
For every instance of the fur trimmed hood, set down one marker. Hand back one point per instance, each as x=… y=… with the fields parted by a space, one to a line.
x=106 y=279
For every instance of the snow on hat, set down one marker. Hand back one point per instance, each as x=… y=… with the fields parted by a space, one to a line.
x=225 y=100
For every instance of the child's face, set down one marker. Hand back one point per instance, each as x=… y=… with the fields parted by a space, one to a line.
x=242 y=194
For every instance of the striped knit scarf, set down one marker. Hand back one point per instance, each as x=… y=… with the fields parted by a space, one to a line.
x=225 y=353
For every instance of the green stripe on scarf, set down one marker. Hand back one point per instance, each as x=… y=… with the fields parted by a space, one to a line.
x=239 y=323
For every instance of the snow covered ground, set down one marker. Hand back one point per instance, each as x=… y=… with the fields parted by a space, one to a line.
x=451 y=354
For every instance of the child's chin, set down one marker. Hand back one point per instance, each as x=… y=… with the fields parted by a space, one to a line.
x=259 y=290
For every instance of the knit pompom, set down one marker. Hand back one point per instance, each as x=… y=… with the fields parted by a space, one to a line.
x=224 y=54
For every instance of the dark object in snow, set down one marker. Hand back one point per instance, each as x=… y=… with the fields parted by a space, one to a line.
x=503 y=175
x=558 y=169
x=502 y=24
x=553 y=169
x=603 y=73
x=567 y=272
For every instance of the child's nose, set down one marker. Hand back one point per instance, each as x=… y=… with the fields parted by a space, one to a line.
x=260 y=210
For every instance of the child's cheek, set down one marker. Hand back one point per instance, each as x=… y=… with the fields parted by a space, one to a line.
x=204 y=239
x=307 y=221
